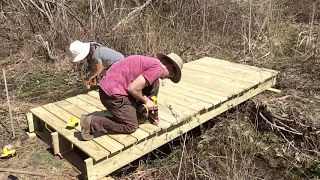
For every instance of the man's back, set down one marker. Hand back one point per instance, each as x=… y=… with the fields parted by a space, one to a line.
x=117 y=79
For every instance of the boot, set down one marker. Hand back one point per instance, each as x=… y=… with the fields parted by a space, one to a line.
x=85 y=123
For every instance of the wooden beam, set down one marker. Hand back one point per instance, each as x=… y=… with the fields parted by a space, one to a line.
x=32 y=125
x=274 y=90
x=60 y=144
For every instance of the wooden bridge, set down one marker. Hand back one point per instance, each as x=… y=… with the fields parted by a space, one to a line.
x=208 y=88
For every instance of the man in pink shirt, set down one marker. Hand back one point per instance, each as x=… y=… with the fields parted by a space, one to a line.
x=127 y=83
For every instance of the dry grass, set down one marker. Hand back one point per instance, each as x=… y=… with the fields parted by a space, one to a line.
x=282 y=35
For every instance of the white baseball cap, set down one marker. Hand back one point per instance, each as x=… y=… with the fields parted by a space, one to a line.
x=79 y=50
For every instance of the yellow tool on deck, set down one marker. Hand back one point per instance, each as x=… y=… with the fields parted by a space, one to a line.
x=8 y=152
x=143 y=109
x=72 y=123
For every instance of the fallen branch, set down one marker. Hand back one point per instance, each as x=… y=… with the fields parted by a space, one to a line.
x=21 y=172
x=8 y=101
x=279 y=117
x=131 y=15
x=279 y=127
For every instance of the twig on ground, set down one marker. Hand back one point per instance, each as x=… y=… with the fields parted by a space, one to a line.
x=279 y=117
x=8 y=101
x=278 y=127
x=22 y=172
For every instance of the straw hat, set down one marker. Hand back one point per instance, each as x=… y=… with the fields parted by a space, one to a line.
x=176 y=61
x=79 y=50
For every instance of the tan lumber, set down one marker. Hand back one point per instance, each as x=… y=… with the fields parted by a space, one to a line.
x=125 y=139
x=140 y=134
x=196 y=91
x=274 y=90
x=232 y=90
x=168 y=118
x=185 y=92
x=241 y=65
x=172 y=114
x=30 y=135
x=31 y=125
x=215 y=91
x=91 y=148
x=91 y=100
x=105 y=141
x=94 y=94
x=60 y=145
x=229 y=70
x=88 y=164
x=200 y=106
x=211 y=62
x=71 y=108
x=110 y=165
x=82 y=104
x=232 y=81
x=180 y=108
x=150 y=128
x=225 y=73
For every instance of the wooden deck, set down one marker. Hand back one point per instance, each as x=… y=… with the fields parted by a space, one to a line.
x=208 y=88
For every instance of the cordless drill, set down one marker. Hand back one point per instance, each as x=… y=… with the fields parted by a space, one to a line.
x=143 y=109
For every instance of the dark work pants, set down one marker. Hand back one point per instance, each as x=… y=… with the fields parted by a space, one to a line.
x=125 y=117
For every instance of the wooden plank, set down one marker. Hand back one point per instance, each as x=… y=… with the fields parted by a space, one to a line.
x=215 y=91
x=180 y=108
x=232 y=72
x=91 y=100
x=94 y=150
x=220 y=77
x=125 y=139
x=140 y=134
x=201 y=106
x=233 y=90
x=32 y=126
x=83 y=105
x=194 y=90
x=88 y=164
x=110 y=165
x=184 y=92
x=94 y=94
x=250 y=67
x=212 y=62
x=60 y=144
x=150 y=128
x=226 y=73
x=105 y=141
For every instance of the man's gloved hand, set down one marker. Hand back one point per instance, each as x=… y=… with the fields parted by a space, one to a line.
x=150 y=104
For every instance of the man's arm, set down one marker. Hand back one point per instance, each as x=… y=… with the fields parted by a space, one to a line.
x=94 y=72
x=135 y=89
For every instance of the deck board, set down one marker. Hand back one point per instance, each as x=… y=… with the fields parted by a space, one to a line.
x=94 y=150
x=207 y=88
x=105 y=141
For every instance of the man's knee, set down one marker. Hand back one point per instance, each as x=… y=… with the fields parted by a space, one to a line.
x=132 y=128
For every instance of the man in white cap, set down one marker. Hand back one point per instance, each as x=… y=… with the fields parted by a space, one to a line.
x=97 y=55
x=131 y=81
